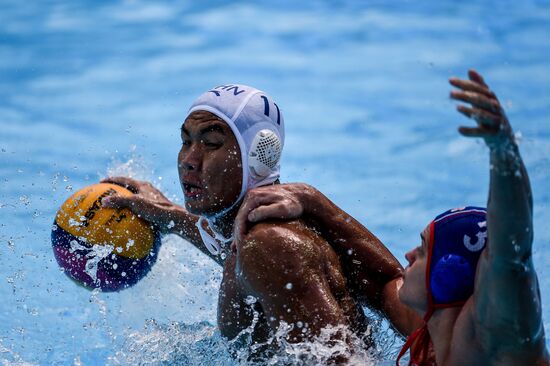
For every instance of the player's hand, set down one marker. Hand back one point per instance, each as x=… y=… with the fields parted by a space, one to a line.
x=147 y=202
x=281 y=201
x=484 y=108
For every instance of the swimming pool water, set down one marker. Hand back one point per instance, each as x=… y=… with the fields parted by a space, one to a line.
x=89 y=89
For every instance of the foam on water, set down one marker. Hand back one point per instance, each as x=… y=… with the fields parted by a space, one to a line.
x=200 y=343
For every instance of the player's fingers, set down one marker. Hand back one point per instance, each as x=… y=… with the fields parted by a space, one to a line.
x=476 y=99
x=131 y=184
x=475 y=131
x=257 y=197
x=280 y=210
x=252 y=200
x=482 y=116
x=469 y=131
x=239 y=229
x=468 y=85
x=116 y=201
x=138 y=205
x=476 y=77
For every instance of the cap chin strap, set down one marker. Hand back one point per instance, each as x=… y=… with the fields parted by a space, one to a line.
x=419 y=343
x=419 y=340
x=213 y=243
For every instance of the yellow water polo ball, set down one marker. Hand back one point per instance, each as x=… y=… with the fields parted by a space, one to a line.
x=105 y=248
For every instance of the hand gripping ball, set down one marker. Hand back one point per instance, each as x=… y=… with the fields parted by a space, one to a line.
x=105 y=248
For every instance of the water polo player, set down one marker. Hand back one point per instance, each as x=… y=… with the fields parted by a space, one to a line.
x=472 y=278
x=232 y=141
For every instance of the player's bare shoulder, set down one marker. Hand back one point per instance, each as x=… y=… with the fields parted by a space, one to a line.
x=276 y=239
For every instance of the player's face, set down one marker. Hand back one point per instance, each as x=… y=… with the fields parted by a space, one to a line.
x=413 y=292
x=209 y=164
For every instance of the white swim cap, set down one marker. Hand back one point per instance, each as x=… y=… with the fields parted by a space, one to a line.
x=258 y=125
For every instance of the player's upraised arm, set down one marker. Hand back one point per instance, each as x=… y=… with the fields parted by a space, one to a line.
x=506 y=301
x=151 y=205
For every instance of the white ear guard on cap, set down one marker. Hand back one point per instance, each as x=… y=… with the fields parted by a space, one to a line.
x=258 y=126
x=265 y=152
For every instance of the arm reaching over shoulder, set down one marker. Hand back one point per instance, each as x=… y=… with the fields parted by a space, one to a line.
x=506 y=307
x=372 y=272
x=151 y=205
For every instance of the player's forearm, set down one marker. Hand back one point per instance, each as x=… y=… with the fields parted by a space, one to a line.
x=402 y=317
x=506 y=274
x=183 y=224
x=369 y=264
x=341 y=228
x=510 y=205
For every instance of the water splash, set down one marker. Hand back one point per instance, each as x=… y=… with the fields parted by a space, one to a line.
x=200 y=343
x=174 y=344
x=11 y=358
x=134 y=166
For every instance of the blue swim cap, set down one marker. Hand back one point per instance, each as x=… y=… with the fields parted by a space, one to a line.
x=457 y=238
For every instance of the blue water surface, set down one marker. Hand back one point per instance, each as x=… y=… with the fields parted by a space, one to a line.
x=89 y=89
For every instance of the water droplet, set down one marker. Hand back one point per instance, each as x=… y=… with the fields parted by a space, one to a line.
x=288 y=286
x=24 y=200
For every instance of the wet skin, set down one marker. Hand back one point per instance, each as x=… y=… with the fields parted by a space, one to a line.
x=500 y=324
x=297 y=275
x=292 y=272
x=209 y=164
x=415 y=293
